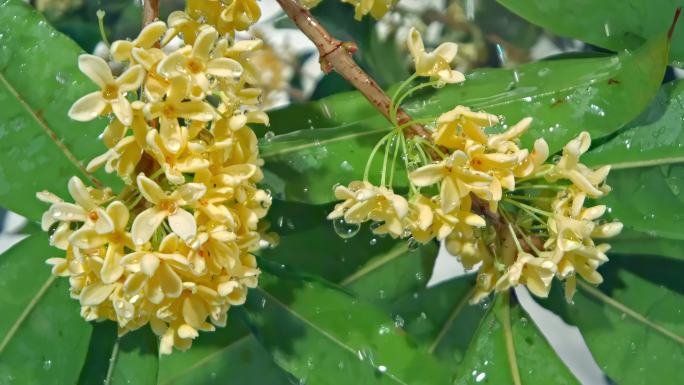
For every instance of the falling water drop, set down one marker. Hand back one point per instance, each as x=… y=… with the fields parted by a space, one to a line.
x=346 y=230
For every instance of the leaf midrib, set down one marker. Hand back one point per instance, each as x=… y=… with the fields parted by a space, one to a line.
x=47 y=130
x=323 y=332
x=365 y=270
x=27 y=310
x=635 y=315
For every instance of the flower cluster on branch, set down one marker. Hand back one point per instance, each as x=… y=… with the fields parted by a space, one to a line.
x=173 y=248
x=503 y=209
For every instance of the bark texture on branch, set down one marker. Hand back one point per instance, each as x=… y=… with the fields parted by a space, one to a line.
x=150 y=11
x=337 y=55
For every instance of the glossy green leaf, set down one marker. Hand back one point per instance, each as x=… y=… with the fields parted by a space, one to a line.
x=43 y=339
x=633 y=322
x=441 y=319
x=373 y=268
x=472 y=339
x=613 y=24
x=634 y=242
x=324 y=336
x=648 y=176
x=228 y=356
x=40 y=147
x=508 y=348
x=649 y=199
x=131 y=359
x=655 y=137
x=564 y=96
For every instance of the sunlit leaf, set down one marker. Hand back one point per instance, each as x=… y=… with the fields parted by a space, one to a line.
x=632 y=322
x=40 y=147
x=613 y=24
x=508 y=348
x=563 y=96
x=322 y=336
x=43 y=339
x=131 y=359
x=655 y=137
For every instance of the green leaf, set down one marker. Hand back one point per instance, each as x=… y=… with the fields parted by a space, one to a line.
x=655 y=137
x=474 y=340
x=131 y=359
x=648 y=200
x=441 y=319
x=40 y=147
x=612 y=24
x=564 y=97
x=43 y=339
x=509 y=349
x=632 y=322
x=230 y=355
x=634 y=242
x=647 y=159
x=373 y=268
x=324 y=336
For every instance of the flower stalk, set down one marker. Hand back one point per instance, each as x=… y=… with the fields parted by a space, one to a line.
x=336 y=55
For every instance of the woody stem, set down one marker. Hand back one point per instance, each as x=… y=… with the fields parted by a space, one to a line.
x=336 y=55
x=150 y=11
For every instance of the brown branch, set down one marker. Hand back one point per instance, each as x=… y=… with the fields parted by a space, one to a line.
x=337 y=55
x=150 y=11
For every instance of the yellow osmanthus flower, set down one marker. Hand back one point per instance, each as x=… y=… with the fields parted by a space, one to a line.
x=166 y=206
x=364 y=202
x=122 y=50
x=457 y=179
x=172 y=249
x=435 y=64
x=112 y=94
x=377 y=8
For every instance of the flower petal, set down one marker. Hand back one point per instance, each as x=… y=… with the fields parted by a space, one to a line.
x=118 y=213
x=131 y=79
x=145 y=224
x=88 y=107
x=150 y=34
x=112 y=270
x=96 y=69
x=149 y=264
x=150 y=189
x=95 y=294
x=171 y=284
x=183 y=224
x=122 y=110
x=224 y=67
x=428 y=175
x=204 y=43
x=87 y=238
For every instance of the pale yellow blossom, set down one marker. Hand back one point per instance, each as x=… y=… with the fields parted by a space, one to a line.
x=166 y=206
x=112 y=93
x=435 y=64
x=122 y=50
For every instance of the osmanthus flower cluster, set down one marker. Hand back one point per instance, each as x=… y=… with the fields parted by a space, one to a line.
x=173 y=248
x=501 y=208
x=376 y=8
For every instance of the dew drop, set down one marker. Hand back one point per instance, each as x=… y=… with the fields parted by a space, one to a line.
x=47 y=364
x=345 y=230
x=269 y=135
x=346 y=166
